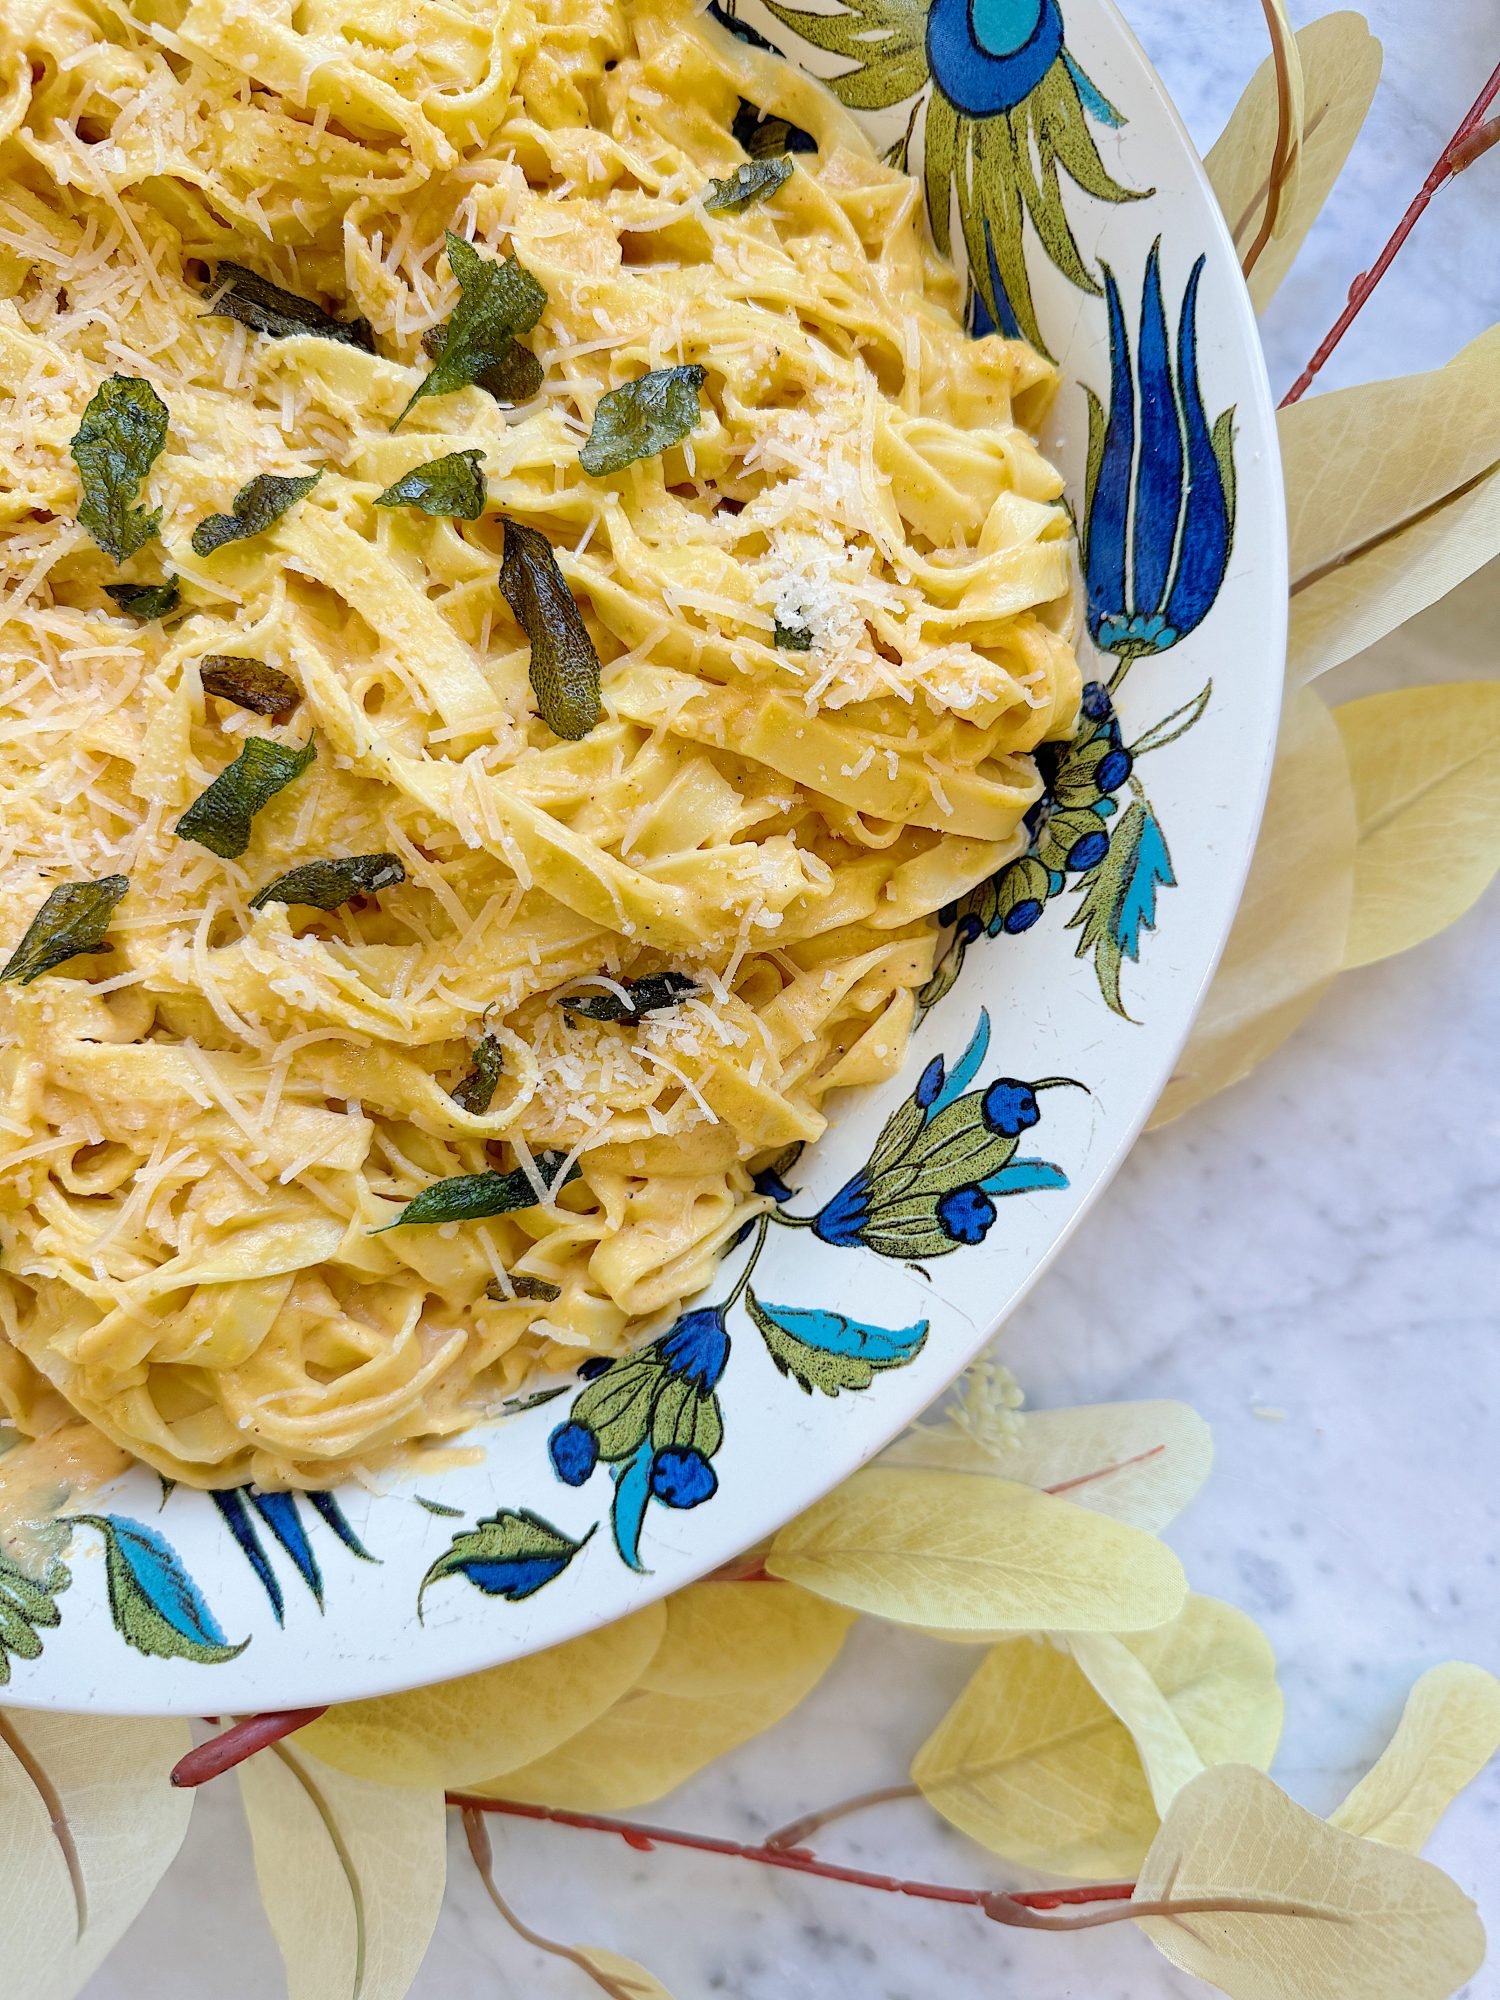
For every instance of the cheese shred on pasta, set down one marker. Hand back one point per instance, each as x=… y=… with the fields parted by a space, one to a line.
x=203 y=1129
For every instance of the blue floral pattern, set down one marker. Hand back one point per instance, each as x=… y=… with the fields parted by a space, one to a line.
x=942 y=1161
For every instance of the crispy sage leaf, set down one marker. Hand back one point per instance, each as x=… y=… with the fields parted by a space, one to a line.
x=248 y=683
x=515 y=377
x=255 y=302
x=564 y=665
x=760 y=133
x=642 y=418
x=522 y=1287
x=496 y=302
x=116 y=445
x=324 y=885
x=754 y=181
x=259 y=502
x=471 y=1197
x=219 y=818
x=792 y=638
x=651 y=994
x=451 y=485
x=72 y=921
x=476 y=1087
x=145 y=600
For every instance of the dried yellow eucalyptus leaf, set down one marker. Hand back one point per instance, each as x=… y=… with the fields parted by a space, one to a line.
x=453 y=1735
x=1062 y=1758
x=734 y=1658
x=621 y=1977
x=351 y=1874
x=1201 y=1690
x=1139 y=1462
x=943 y=1549
x=1340 y=69
x=88 y=1827
x=1425 y=762
x=1448 y=1732
x=1289 y=935
x=1031 y=1764
x=1338 y=1918
x=1392 y=500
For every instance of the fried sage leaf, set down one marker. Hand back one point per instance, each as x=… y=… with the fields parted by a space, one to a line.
x=324 y=885
x=642 y=418
x=476 y=1087
x=515 y=377
x=471 y=1197
x=116 y=445
x=259 y=502
x=522 y=1287
x=251 y=684
x=564 y=665
x=496 y=302
x=72 y=921
x=754 y=181
x=145 y=600
x=452 y=485
x=255 y=302
x=219 y=818
x=792 y=638
x=653 y=993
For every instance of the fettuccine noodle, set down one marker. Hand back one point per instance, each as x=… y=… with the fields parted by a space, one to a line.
x=204 y=1128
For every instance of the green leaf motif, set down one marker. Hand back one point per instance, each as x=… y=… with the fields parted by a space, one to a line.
x=885 y=39
x=451 y=485
x=756 y=180
x=116 y=445
x=28 y=1607
x=496 y=303
x=653 y=993
x=472 y=1197
x=827 y=1350
x=249 y=684
x=259 y=502
x=564 y=665
x=325 y=885
x=69 y=924
x=1118 y=898
x=221 y=815
x=643 y=418
x=155 y=1605
x=244 y=295
x=145 y=600
x=510 y=1555
x=475 y=1089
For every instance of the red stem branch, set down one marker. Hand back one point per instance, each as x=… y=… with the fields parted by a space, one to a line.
x=798 y=1860
x=221 y=1753
x=1455 y=156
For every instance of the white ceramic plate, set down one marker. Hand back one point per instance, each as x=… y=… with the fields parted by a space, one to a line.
x=937 y=1201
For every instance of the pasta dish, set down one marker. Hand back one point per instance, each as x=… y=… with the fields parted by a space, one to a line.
x=521 y=601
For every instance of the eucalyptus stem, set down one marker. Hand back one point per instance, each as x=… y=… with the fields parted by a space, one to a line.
x=797 y=1832
x=478 y=1836
x=241 y=1740
x=643 y=1838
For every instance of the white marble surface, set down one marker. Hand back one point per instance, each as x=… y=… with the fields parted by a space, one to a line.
x=1311 y=1260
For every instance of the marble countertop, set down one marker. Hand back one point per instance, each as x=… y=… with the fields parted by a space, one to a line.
x=1311 y=1260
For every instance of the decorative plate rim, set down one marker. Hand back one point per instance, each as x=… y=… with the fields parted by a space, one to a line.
x=150 y=1600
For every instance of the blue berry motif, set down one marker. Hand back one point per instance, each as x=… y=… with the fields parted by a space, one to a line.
x=574 y=1451
x=966 y=1213
x=682 y=1478
x=1009 y=1107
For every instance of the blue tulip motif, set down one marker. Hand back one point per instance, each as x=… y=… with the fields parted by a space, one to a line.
x=942 y=1160
x=1158 y=514
x=654 y=1419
